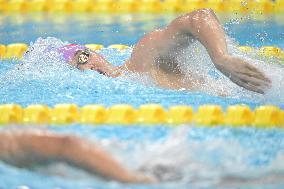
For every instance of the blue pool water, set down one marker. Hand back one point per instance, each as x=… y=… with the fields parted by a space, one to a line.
x=109 y=29
x=218 y=157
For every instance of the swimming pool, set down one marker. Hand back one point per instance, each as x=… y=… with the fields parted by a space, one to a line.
x=205 y=157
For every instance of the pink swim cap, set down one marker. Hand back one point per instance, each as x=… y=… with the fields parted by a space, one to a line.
x=69 y=51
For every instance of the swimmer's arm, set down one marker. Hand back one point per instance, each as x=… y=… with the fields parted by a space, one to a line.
x=205 y=27
x=45 y=146
x=99 y=63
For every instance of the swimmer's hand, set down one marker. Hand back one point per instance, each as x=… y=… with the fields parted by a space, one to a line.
x=243 y=74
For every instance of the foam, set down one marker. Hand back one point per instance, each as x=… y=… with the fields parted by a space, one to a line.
x=43 y=66
x=196 y=61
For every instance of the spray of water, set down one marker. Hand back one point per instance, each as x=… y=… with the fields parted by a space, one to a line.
x=196 y=61
x=181 y=159
x=176 y=158
x=44 y=65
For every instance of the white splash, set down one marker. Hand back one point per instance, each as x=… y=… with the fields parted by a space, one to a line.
x=178 y=159
x=196 y=61
x=44 y=64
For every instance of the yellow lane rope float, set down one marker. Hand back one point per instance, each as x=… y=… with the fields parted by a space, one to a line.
x=16 y=50
x=266 y=116
x=142 y=6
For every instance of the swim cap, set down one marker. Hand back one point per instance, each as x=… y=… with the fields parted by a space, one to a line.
x=69 y=51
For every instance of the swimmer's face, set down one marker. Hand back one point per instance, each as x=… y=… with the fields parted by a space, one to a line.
x=88 y=60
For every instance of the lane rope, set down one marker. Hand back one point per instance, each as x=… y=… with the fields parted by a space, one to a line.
x=140 y=6
x=266 y=116
x=16 y=50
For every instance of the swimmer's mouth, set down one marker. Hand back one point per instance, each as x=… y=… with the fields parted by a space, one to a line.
x=98 y=70
x=101 y=72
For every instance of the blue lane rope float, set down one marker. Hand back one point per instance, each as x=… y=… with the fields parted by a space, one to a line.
x=16 y=50
x=266 y=116
x=140 y=6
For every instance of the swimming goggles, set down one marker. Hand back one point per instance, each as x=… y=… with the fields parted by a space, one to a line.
x=82 y=57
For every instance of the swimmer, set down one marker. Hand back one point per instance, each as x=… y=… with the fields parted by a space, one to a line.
x=31 y=147
x=156 y=53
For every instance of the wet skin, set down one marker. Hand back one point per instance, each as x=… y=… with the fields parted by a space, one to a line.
x=25 y=148
x=156 y=53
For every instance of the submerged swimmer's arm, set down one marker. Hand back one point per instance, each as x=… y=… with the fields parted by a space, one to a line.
x=205 y=27
x=27 y=147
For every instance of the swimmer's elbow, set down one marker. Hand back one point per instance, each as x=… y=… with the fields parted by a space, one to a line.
x=194 y=19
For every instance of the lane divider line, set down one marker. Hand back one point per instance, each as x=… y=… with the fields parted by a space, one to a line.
x=266 y=116
x=16 y=50
x=140 y=6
